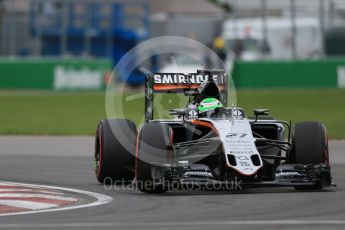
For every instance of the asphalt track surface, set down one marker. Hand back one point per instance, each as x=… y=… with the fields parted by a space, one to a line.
x=68 y=162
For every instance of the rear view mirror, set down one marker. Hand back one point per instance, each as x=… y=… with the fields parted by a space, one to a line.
x=177 y=112
x=261 y=112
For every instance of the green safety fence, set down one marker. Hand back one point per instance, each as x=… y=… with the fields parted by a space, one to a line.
x=328 y=73
x=74 y=74
x=92 y=74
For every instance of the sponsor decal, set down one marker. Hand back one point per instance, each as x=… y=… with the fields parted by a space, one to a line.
x=244 y=164
x=238 y=114
x=242 y=152
x=197 y=173
x=239 y=141
x=214 y=103
x=288 y=174
x=244 y=161
x=239 y=135
x=71 y=78
x=168 y=78
x=242 y=158
x=248 y=169
x=193 y=114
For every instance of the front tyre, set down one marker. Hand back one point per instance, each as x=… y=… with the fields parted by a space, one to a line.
x=309 y=146
x=114 y=154
x=154 y=149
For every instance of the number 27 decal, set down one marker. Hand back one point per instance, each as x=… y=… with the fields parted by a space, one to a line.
x=239 y=135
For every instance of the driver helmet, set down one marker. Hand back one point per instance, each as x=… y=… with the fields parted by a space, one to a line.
x=208 y=106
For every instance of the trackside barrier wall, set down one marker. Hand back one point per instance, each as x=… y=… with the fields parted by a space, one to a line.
x=92 y=74
x=76 y=74
x=328 y=73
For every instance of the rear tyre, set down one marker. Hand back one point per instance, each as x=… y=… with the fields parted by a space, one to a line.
x=154 y=148
x=114 y=155
x=309 y=146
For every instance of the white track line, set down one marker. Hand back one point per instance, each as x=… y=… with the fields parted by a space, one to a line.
x=100 y=199
x=179 y=224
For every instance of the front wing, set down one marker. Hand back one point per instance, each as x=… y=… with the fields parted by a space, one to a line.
x=286 y=175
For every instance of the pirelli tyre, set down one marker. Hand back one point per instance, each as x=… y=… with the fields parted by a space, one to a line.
x=114 y=161
x=153 y=150
x=309 y=146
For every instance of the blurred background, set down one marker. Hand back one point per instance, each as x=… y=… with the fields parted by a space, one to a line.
x=70 y=33
x=282 y=47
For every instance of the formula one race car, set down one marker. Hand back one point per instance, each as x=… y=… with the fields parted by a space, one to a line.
x=209 y=145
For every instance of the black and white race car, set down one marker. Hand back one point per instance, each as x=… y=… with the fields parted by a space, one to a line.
x=209 y=145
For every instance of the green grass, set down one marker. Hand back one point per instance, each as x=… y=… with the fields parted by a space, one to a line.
x=324 y=105
x=77 y=113
x=50 y=113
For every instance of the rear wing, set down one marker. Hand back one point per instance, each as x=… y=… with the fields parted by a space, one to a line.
x=180 y=83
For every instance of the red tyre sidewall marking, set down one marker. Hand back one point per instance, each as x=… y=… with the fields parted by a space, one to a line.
x=326 y=153
x=136 y=157
x=99 y=136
